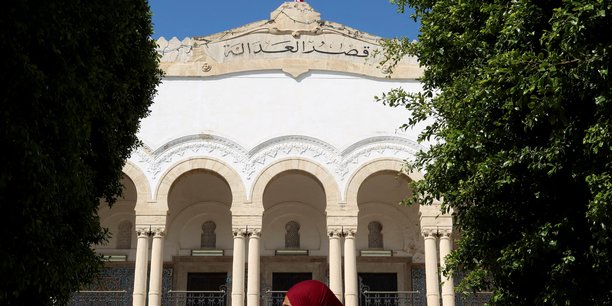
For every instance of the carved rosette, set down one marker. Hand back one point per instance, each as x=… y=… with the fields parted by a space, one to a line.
x=206 y=67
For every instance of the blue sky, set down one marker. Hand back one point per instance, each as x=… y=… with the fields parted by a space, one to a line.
x=186 y=18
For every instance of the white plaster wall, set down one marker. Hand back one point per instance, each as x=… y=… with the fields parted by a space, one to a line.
x=250 y=108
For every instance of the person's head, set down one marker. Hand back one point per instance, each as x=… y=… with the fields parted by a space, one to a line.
x=310 y=293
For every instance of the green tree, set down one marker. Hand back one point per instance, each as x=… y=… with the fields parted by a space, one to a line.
x=77 y=76
x=518 y=102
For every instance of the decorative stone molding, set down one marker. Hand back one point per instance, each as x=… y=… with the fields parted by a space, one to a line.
x=174 y=50
x=293 y=145
x=335 y=233
x=445 y=233
x=442 y=232
x=239 y=232
x=293 y=35
x=248 y=163
x=349 y=233
x=143 y=231
x=429 y=232
x=433 y=220
x=375 y=147
x=194 y=145
x=158 y=231
x=254 y=232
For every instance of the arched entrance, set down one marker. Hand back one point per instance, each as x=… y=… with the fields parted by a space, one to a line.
x=388 y=240
x=294 y=233
x=199 y=238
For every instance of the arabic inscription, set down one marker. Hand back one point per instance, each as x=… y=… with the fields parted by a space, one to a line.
x=301 y=46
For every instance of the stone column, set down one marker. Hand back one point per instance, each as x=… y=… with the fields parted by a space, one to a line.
x=140 y=268
x=253 y=268
x=351 y=297
x=432 y=284
x=157 y=266
x=238 y=268
x=448 y=290
x=335 y=263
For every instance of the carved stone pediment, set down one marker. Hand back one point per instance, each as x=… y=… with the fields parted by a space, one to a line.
x=294 y=40
x=295 y=17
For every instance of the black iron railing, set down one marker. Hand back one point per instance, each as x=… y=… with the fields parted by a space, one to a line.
x=100 y=298
x=273 y=298
x=198 y=298
x=390 y=298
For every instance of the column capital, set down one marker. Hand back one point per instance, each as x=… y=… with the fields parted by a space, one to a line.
x=239 y=232
x=429 y=232
x=349 y=232
x=254 y=232
x=334 y=232
x=158 y=231
x=445 y=232
x=143 y=231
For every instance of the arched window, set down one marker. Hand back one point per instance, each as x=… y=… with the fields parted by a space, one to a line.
x=124 y=235
x=375 y=237
x=292 y=237
x=209 y=237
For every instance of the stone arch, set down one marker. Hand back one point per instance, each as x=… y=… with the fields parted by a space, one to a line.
x=321 y=174
x=226 y=172
x=366 y=170
x=143 y=190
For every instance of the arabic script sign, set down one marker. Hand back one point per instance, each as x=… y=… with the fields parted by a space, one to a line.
x=301 y=46
x=265 y=45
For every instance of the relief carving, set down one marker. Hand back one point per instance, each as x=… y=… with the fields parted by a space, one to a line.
x=250 y=163
x=294 y=31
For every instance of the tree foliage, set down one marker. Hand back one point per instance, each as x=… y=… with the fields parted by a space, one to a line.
x=518 y=100
x=77 y=76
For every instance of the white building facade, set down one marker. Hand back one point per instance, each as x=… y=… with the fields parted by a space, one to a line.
x=265 y=161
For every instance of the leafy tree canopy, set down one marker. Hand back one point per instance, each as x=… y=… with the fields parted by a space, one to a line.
x=77 y=76
x=518 y=101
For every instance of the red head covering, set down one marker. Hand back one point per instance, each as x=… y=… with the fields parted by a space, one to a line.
x=312 y=293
